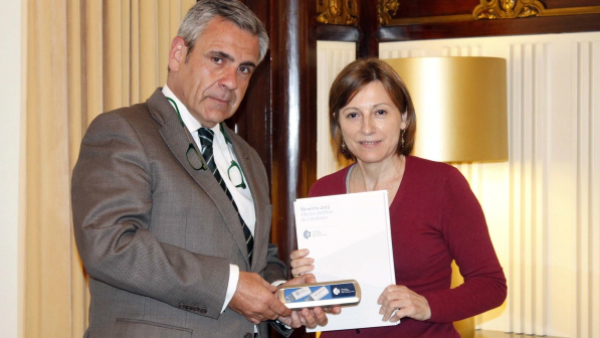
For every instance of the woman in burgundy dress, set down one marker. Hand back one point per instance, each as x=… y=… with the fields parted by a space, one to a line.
x=435 y=218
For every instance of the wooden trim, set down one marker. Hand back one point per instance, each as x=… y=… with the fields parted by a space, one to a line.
x=253 y=119
x=278 y=114
x=294 y=105
x=431 y=19
x=370 y=12
x=471 y=17
x=572 y=11
x=479 y=28
x=336 y=33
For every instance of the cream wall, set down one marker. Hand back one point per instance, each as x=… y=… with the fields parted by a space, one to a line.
x=543 y=205
x=10 y=136
x=332 y=57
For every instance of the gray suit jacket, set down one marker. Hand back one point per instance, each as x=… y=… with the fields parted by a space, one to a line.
x=156 y=236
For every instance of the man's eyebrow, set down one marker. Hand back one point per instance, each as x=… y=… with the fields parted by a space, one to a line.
x=248 y=64
x=222 y=55
x=231 y=59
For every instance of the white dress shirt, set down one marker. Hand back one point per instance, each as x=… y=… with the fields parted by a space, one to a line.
x=223 y=156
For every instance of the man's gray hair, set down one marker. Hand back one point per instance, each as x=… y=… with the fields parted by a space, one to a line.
x=203 y=11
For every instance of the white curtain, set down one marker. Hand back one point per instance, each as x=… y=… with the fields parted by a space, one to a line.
x=84 y=57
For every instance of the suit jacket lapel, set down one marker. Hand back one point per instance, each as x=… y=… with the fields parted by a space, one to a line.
x=174 y=135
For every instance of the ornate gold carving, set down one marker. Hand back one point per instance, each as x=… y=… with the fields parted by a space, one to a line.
x=386 y=10
x=337 y=12
x=508 y=9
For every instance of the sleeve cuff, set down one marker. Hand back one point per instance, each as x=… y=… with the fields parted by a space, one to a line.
x=278 y=282
x=283 y=329
x=234 y=276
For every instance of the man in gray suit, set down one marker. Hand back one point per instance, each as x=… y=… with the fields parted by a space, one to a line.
x=171 y=208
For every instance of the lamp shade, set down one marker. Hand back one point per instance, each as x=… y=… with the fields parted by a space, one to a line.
x=460 y=103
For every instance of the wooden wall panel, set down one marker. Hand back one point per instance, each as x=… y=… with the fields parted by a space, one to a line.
x=534 y=25
x=253 y=119
x=422 y=8
x=439 y=19
x=278 y=114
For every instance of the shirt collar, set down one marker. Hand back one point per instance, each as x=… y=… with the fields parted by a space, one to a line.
x=188 y=119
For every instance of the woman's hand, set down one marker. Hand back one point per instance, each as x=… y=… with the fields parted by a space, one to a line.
x=405 y=302
x=300 y=263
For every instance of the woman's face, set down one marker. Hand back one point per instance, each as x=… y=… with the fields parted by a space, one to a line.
x=370 y=124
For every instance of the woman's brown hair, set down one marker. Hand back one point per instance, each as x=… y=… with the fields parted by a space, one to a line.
x=355 y=77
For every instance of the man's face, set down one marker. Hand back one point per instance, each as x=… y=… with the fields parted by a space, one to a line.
x=211 y=80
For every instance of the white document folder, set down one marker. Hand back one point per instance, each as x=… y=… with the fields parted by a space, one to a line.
x=349 y=237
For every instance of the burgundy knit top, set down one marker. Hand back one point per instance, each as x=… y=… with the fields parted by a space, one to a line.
x=435 y=218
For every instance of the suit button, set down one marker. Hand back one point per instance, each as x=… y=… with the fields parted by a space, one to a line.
x=248 y=335
x=202 y=311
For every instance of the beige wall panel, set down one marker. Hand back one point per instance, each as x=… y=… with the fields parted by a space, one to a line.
x=55 y=226
x=164 y=37
x=332 y=57
x=135 y=95
x=403 y=53
x=93 y=58
x=77 y=121
x=84 y=57
x=112 y=31
x=542 y=207
x=32 y=261
x=51 y=312
x=562 y=174
x=148 y=65
x=588 y=174
x=540 y=176
x=594 y=186
x=126 y=56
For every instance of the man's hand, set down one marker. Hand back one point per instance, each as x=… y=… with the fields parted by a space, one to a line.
x=254 y=299
x=309 y=318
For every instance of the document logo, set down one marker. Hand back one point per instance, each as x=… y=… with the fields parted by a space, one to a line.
x=306 y=234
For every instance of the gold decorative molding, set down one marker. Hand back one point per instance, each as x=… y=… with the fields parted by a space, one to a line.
x=337 y=12
x=472 y=17
x=508 y=9
x=386 y=9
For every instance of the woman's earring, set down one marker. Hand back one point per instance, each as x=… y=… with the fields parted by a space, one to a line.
x=343 y=146
x=402 y=139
